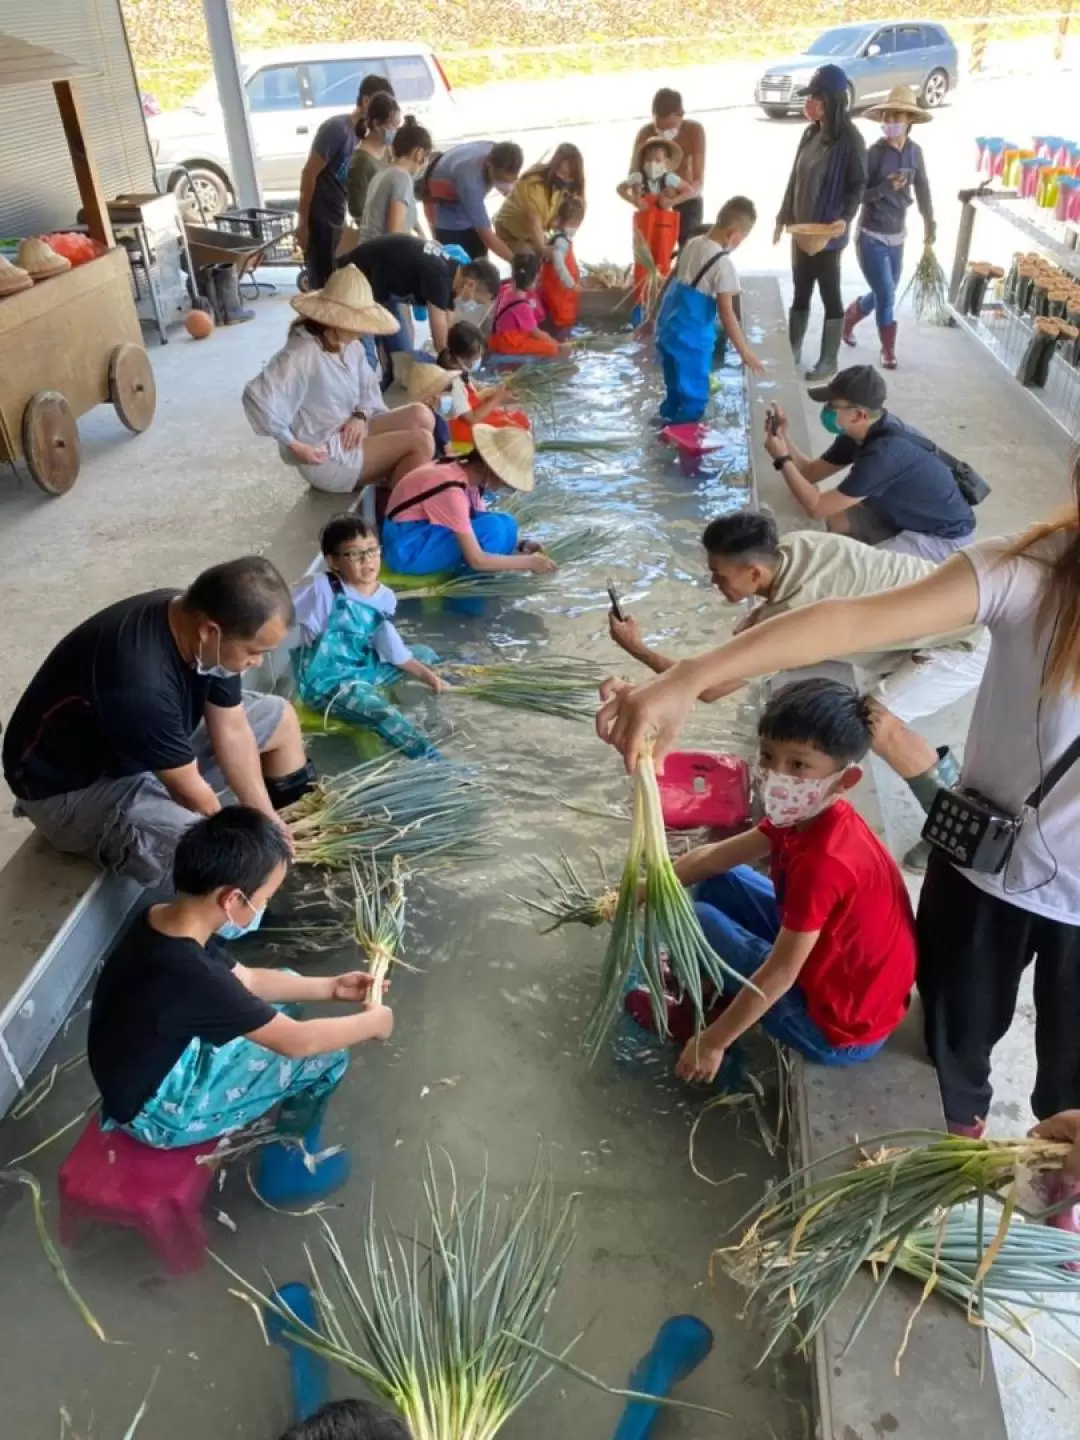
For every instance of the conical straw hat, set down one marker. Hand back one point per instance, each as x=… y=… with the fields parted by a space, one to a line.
x=426 y=381
x=508 y=451
x=903 y=98
x=346 y=302
x=40 y=260
x=675 y=154
x=12 y=279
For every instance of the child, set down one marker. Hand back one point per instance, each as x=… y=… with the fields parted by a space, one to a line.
x=559 y=277
x=829 y=940
x=186 y=1045
x=429 y=384
x=349 y=1420
x=515 y=323
x=654 y=189
x=468 y=405
x=704 y=282
x=350 y=651
x=437 y=519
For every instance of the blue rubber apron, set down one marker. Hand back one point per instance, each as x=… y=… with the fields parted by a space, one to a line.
x=686 y=331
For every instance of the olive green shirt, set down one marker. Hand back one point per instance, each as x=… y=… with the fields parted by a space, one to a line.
x=362 y=171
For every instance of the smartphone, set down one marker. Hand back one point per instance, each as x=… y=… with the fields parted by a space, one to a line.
x=613 y=596
x=772 y=421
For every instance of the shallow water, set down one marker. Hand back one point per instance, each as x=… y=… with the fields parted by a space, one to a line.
x=486 y=1058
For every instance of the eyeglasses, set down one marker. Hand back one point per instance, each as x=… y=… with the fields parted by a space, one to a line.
x=369 y=553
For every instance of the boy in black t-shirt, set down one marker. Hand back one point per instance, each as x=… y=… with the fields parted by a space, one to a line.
x=186 y=1045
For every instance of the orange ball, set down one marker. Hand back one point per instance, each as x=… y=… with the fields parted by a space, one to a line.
x=198 y=324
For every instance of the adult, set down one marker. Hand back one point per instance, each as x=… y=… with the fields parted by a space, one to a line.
x=406 y=267
x=375 y=134
x=670 y=123
x=319 y=397
x=899 y=492
x=454 y=190
x=895 y=174
x=825 y=187
x=137 y=720
x=977 y=931
x=390 y=207
x=748 y=560
x=527 y=216
x=321 y=207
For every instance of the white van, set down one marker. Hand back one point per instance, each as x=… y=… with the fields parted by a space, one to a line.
x=290 y=92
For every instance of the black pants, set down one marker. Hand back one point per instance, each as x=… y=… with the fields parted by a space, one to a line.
x=973 y=949
x=691 y=215
x=469 y=241
x=319 y=254
x=822 y=270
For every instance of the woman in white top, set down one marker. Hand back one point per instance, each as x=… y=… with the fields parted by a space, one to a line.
x=977 y=932
x=320 y=400
x=390 y=207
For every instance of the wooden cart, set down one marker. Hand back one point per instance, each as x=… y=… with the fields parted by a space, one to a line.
x=73 y=341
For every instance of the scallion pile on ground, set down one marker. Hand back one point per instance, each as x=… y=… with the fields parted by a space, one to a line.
x=551 y=685
x=566 y=550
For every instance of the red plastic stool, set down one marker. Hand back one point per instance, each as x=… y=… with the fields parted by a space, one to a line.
x=115 y=1180
x=698 y=789
x=693 y=438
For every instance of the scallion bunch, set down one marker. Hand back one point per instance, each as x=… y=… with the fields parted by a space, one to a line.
x=570 y=900
x=570 y=549
x=654 y=927
x=557 y=686
x=929 y=290
x=378 y=906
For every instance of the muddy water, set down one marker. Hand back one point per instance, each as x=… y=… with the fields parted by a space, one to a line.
x=486 y=1058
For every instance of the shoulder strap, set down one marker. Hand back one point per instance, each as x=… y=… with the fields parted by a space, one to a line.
x=1056 y=772
x=424 y=495
x=712 y=260
x=336 y=586
x=507 y=308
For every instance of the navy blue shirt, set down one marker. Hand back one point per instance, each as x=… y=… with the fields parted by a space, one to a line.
x=884 y=207
x=902 y=483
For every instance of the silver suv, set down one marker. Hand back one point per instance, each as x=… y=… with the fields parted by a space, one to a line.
x=290 y=92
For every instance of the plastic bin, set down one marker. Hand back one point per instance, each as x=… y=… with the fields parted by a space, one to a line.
x=264 y=227
x=702 y=790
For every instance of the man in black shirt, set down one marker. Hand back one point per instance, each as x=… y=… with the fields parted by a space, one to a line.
x=137 y=719
x=405 y=267
x=186 y=1045
x=324 y=180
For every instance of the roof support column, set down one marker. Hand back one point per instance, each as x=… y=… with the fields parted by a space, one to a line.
x=234 y=108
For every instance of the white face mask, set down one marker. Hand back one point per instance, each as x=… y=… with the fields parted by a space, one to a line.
x=654 y=169
x=789 y=799
x=216 y=671
x=444 y=405
x=668 y=134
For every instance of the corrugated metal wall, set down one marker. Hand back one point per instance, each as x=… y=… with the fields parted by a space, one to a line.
x=37 y=189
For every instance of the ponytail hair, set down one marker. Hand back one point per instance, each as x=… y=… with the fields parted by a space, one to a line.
x=382 y=107
x=411 y=136
x=525 y=269
x=1059 y=610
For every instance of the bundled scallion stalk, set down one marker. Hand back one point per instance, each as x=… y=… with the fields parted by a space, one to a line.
x=441 y=1325
x=654 y=925
x=653 y=284
x=512 y=584
x=812 y=1233
x=378 y=906
x=427 y=812
x=583 y=445
x=565 y=688
x=570 y=901
x=929 y=290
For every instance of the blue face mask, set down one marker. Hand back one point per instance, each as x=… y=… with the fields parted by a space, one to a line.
x=232 y=931
x=389 y=133
x=445 y=405
x=830 y=421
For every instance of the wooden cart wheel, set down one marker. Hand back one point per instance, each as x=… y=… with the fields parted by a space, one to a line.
x=131 y=386
x=50 y=439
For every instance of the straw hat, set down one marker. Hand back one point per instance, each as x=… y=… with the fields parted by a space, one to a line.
x=904 y=99
x=40 y=260
x=12 y=279
x=346 y=302
x=675 y=155
x=811 y=237
x=508 y=451
x=424 y=382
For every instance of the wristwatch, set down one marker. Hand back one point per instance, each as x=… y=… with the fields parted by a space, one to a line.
x=781 y=461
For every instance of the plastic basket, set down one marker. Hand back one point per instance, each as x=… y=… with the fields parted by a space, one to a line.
x=264 y=227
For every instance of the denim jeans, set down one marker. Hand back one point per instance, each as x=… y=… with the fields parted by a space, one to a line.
x=741 y=920
x=882 y=266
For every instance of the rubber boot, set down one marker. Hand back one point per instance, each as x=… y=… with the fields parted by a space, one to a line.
x=852 y=315
x=681 y=1344
x=798 y=320
x=827 y=366
x=888 y=346
x=227 y=284
x=309 y=1374
x=283 y=1176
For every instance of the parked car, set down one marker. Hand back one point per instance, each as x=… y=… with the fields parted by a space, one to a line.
x=874 y=57
x=290 y=92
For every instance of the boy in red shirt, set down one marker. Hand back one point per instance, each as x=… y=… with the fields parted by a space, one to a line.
x=829 y=940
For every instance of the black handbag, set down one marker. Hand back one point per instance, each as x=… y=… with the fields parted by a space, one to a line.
x=979 y=835
x=970 y=483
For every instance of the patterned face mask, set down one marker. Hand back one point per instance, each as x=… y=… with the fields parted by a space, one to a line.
x=789 y=799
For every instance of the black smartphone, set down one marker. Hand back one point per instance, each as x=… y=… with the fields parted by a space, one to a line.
x=613 y=596
x=772 y=421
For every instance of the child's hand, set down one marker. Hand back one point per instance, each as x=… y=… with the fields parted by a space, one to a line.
x=755 y=366
x=566 y=347
x=436 y=683
x=382 y=1022
x=700 y=1060
x=540 y=564
x=352 y=988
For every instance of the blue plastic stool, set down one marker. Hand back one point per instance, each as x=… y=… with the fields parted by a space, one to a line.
x=309 y=1374
x=681 y=1344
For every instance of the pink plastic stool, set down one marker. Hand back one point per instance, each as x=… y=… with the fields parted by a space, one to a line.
x=698 y=789
x=693 y=438
x=115 y=1180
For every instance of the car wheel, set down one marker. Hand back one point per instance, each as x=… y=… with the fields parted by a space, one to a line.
x=775 y=112
x=935 y=88
x=210 y=188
